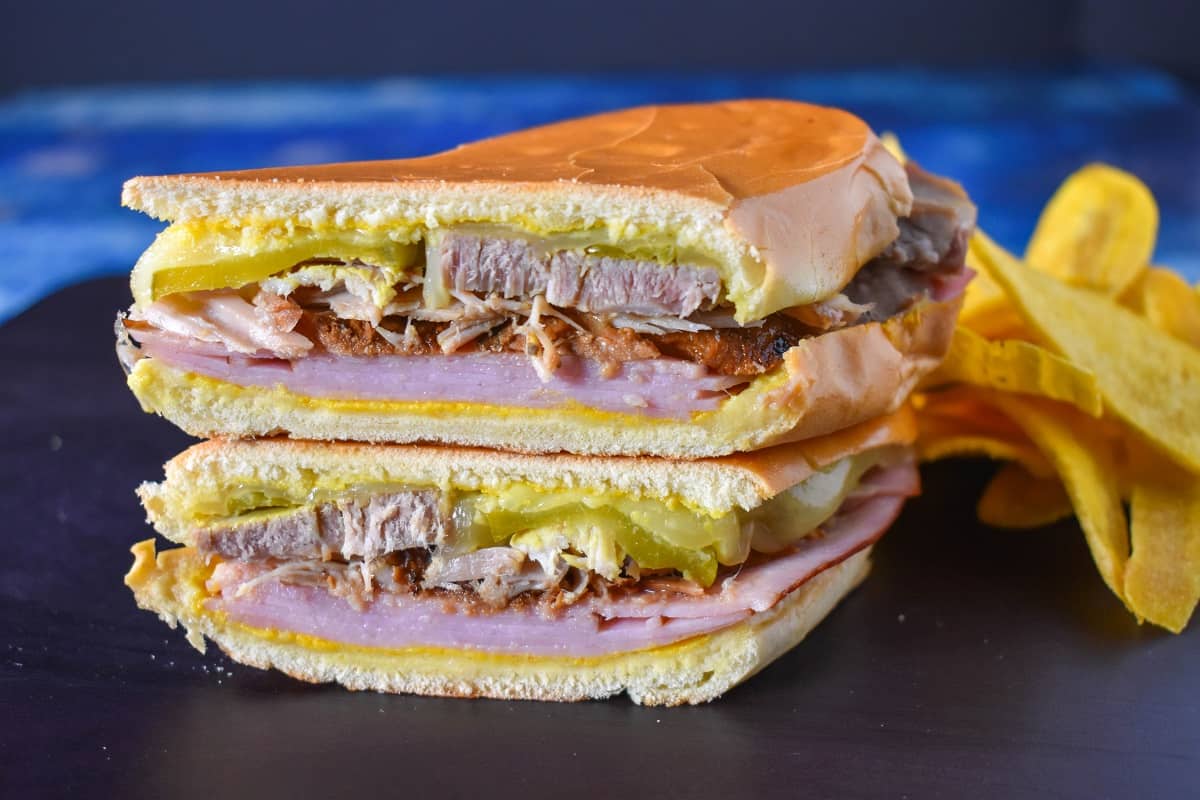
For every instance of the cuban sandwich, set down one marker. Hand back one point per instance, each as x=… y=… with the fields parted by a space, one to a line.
x=613 y=405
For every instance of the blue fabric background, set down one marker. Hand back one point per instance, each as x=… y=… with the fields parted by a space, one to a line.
x=1010 y=138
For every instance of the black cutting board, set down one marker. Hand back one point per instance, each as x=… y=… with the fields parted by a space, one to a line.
x=973 y=663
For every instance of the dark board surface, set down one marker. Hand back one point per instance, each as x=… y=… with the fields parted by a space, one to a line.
x=973 y=663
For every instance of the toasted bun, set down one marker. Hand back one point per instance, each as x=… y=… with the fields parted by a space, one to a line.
x=791 y=199
x=693 y=671
x=210 y=471
x=825 y=384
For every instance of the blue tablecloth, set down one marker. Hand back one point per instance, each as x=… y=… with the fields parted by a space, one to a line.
x=1009 y=138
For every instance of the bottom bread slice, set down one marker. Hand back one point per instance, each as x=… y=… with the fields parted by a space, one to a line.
x=695 y=670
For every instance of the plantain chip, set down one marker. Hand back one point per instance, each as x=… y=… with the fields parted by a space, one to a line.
x=985 y=308
x=1016 y=499
x=1016 y=366
x=1168 y=302
x=1162 y=582
x=1147 y=378
x=1097 y=231
x=956 y=422
x=1087 y=465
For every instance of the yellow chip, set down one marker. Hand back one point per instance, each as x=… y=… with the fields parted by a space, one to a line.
x=1162 y=582
x=1168 y=302
x=1016 y=499
x=965 y=403
x=1016 y=366
x=1097 y=231
x=1146 y=378
x=1087 y=465
x=956 y=423
x=934 y=447
x=985 y=309
x=982 y=294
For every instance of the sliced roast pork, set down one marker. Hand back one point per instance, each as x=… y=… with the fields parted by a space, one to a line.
x=518 y=268
x=933 y=237
x=364 y=528
x=927 y=258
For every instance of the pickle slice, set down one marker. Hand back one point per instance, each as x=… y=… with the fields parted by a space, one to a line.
x=192 y=258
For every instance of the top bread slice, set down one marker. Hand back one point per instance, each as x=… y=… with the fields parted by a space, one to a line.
x=790 y=198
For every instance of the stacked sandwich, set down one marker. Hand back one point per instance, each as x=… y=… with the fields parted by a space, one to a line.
x=616 y=404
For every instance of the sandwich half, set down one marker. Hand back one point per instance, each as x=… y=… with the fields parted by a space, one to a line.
x=466 y=572
x=681 y=281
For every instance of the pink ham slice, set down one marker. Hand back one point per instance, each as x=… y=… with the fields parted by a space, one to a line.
x=404 y=621
x=595 y=627
x=659 y=387
x=948 y=287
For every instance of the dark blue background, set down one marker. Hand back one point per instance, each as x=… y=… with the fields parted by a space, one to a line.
x=55 y=42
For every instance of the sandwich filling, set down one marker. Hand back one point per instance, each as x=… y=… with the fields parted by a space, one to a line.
x=526 y=570
x=637 y=326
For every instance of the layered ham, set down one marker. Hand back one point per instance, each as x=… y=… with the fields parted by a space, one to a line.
x=667 y=388
x=648 y=613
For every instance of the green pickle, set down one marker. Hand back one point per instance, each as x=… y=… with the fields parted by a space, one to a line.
x=647 y=549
